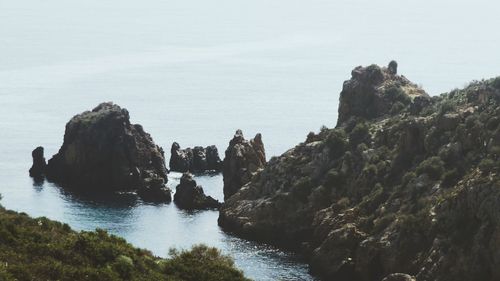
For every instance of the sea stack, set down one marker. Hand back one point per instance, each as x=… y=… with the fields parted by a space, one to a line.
x=243 y=159
x=103 y=151
x=194 y=160
x=190 y=196
x=37 y=170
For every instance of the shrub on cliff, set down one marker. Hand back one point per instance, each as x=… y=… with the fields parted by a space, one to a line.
x=433 y=167
x=201 y=263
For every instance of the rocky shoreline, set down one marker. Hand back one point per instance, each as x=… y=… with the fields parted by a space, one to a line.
x=405 y=187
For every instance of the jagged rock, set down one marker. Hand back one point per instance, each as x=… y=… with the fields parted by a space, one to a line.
x=102 y=150
x=195 y=160
x=242 y=160
x=374 y=91
x=414 y=191
x=37 y=170
x=393 y=67
x=189 y=195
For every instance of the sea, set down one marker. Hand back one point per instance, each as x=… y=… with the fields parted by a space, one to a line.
x=195 y=71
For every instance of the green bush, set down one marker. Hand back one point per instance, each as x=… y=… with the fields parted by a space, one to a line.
x=201 y=263
x=337 y=143
x=41 y=249
x=450 y=178
x=432 y=166
x=359 y=134
x=397 y=94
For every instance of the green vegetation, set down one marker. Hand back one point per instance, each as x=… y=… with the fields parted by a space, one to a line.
x=41 y=249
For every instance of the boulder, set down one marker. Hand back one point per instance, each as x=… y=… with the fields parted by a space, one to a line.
x=243 y=159
x=37 y=170
x=195 y=160
x=190 y=196
x=375 y=91
x=103 y=151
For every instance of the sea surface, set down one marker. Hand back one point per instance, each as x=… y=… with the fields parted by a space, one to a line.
x=194 y=71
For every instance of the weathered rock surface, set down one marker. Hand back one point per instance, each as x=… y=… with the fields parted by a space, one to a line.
x=242 y=160
x=195 y=160
x=399 y=277
x=375 y=91
x=37 y=170
x=188 y=195
x=102 y=150
x=412 y=192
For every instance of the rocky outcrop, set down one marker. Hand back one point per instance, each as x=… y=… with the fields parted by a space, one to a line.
x=195 y=160
x=375 y=91
x=103 y=151
x=243 y=159
x=37 y=170
x=413 y=192
x=188 y=195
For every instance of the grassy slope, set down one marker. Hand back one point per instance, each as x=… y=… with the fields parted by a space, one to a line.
x=41 y=249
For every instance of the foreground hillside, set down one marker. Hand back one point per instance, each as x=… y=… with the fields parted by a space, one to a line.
x=41 y=249
x=405 y=183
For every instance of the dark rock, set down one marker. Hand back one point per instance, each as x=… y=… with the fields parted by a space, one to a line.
x=37 y=170
x=373 y=92
x=102 y=150
x=393 y=67
x=243 y=159
x=195 y=160
x=190 y=196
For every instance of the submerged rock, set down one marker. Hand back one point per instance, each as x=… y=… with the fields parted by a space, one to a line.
x=243 y=160
x=103 y=151
x=188 y=195
x=37 y=170
x=195 y=160
x=412 y=192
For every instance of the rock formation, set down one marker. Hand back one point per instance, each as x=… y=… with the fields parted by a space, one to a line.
x=243 y=159
x=195 y=160
x=375 y=91
x=413 y=192
x=188 y=195
x=102 y=150
x=37 y=170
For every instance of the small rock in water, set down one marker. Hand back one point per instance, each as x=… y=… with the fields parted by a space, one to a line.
x=190 y=196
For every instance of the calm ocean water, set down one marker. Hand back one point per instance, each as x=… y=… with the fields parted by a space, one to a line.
x=194 y=72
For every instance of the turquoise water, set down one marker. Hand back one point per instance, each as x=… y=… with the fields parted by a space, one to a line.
x=194 y=72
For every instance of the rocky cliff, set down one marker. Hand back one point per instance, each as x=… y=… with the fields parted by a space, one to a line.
x=102 y=150
x=405 y=187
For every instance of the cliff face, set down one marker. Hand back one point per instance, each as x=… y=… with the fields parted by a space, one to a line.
x=404 y=184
